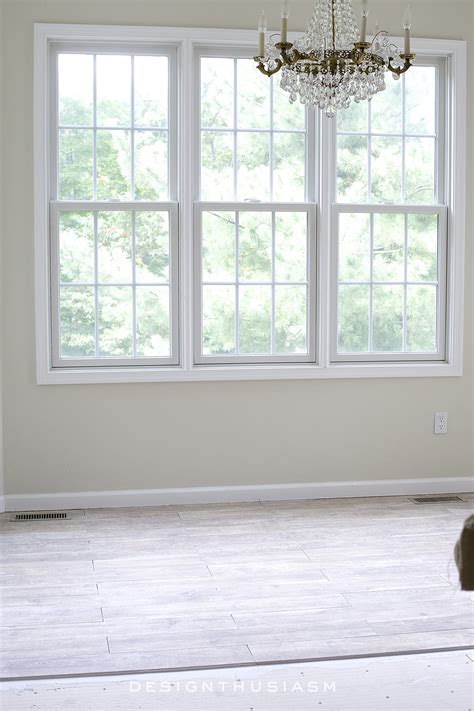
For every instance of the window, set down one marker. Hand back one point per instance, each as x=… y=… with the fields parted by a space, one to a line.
x=193 y=223
x=255 y=257
x=114 y=231
x=389 y=242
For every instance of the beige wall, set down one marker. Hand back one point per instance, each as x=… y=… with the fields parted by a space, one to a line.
x=95 y=437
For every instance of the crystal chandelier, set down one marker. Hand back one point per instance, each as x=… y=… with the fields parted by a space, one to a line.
x=332 y=64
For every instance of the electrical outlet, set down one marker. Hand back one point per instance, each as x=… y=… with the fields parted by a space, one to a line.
x=441 y=423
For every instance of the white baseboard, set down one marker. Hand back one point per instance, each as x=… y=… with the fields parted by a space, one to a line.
x=223 y=494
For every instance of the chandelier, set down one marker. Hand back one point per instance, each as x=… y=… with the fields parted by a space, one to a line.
x=332 y=63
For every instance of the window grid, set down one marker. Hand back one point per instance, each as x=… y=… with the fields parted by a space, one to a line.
x=133 y=284
x=439 y=285
x=370 y=134
x=235 y=130
x=371 y=283
x=237 y=209
x=239 y=282
x=130 y=128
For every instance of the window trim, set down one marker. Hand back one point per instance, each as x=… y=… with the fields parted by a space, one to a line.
x=186 y=40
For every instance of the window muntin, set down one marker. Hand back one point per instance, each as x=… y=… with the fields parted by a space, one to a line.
x=253 y=142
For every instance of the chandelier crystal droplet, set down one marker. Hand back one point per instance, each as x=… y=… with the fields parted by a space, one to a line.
x=332 y=63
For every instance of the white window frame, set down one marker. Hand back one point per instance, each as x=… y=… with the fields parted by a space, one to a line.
x=310 y=211
x=186 y=41
x=95 y=205
x=171 y=209
x=394 y=357
x=438 y=207
x=200 y=205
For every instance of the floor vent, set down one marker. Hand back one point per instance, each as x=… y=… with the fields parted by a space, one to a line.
x=41 y=516
x=435 y=499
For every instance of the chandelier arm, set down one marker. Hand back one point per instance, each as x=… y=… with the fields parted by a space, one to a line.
x=268 y=72
x=290 y=59
x=408 y=62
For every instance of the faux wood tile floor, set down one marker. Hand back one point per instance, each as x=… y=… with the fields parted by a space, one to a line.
x=178 y=587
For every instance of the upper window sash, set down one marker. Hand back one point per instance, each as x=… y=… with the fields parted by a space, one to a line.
x=132 y=133
x=377 y=144
x=247 y=127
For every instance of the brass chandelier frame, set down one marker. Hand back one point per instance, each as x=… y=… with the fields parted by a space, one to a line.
x=332 y=61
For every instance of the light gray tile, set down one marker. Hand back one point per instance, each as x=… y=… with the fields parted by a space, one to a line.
x=384 y=598
x=22 y=615
x=362 y=645
x=237 y=636
x=422 y=624
x=94 y=663
x=47 y=594
x=303 y=570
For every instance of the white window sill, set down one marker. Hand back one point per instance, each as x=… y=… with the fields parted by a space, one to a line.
x=77 y=376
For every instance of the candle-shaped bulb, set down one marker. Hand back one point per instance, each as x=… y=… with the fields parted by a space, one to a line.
x=285 y=13
x=376 y=39
x=407 y=19
x=407 y=27
x=363 y=28
x=262 y=28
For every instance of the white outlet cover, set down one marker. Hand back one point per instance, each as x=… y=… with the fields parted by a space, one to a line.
x=441 y=423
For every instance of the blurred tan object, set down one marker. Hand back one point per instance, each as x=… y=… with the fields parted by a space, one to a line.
x=464 y=555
